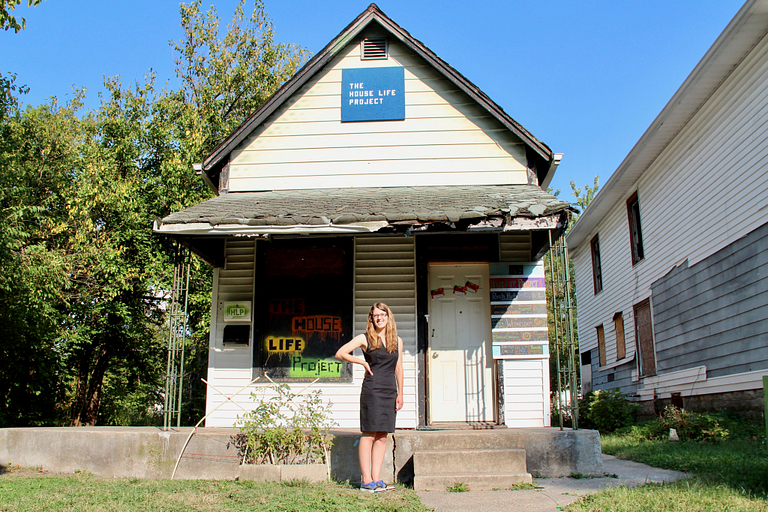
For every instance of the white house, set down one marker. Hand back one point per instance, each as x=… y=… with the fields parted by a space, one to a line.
x=379 y=173
x=670 y=257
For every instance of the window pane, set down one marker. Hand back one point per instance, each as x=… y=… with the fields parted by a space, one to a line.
x=635 y=230
x=597 y=270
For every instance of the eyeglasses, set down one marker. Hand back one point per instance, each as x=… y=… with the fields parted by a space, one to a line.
x=383 y=315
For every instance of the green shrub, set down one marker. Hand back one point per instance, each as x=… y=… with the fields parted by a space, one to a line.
x=693 y=426
x=285 y=428
x=607 y=410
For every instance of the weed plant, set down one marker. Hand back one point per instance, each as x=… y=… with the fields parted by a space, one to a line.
x=458 y=487
x=285 y=428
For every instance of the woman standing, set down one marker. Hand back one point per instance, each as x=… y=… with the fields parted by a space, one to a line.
x=382 y=393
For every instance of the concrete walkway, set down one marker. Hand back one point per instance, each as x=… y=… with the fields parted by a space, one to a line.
x=550 y=493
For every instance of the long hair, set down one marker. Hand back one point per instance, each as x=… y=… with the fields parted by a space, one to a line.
x=373 y=336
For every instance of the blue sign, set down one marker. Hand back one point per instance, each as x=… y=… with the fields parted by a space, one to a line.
x=372 y=94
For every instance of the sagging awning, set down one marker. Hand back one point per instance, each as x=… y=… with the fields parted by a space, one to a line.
x=367 y=210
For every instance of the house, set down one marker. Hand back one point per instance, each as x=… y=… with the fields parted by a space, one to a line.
x=379 y=173
x=670 y=257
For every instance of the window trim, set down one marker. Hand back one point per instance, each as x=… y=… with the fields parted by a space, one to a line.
x=597 y=266
x=635 y=229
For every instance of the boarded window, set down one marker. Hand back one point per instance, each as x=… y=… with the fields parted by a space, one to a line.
x=304 y=309
x=635 y=232
x=597 y=269
x=601 y=343
x=644 y=338
x=618 y=325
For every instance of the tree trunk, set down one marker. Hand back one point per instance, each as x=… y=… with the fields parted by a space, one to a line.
x=89 y=387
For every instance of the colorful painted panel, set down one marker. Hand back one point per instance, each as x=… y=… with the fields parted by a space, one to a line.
x=499 y=351
x=510 y=296
x=517 y=282
x=528 y=335
x=519 y=311
x=305 y=310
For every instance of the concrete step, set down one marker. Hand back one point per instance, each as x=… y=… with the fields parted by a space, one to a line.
x=479 y=469
x=448 y=461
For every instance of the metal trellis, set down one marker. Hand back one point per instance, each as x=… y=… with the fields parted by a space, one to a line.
x=564 y=312
x=177 y=337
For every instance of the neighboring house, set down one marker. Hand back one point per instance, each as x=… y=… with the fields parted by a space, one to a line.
x=379 y=173
x=671 y=257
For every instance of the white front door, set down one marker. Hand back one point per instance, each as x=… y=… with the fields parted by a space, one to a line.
x=461 y=386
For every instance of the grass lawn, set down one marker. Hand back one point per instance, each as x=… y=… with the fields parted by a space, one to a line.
x=22 y=491
x=730 y=475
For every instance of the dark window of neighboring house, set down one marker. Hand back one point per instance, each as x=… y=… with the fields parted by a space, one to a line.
x=644 y=338
x=601 y=343
x=597 y=269
x=635 y=232
x=618 y=324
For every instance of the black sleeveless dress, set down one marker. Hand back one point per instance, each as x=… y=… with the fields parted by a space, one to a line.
x=379 y=392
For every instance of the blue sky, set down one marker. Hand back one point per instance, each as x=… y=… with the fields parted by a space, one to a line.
x=585 y=77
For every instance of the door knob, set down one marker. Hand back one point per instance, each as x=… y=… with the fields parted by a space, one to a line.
x=434 y=355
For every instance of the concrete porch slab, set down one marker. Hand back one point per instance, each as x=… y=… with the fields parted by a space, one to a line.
x=148 y=452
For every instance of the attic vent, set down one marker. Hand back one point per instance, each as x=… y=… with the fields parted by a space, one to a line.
x=374 y=48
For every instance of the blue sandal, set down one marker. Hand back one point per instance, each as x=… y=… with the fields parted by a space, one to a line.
x=369 y=487
x=380 y=486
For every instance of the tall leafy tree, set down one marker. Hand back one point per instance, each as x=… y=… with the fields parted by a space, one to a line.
x=77 y=204
x=33 y=281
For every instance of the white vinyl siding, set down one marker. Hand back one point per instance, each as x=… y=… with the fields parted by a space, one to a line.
x=445 y=139
x=707 y=189
x=526 y=392
x=385 y=271
x=229 y=368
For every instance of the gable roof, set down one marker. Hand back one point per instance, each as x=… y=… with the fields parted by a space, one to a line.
x=746 y=29
x=543 y=159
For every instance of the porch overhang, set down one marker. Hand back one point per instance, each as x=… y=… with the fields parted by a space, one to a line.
x=384 y=210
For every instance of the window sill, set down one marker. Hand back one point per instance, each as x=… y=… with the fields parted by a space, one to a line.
x=620 y=362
